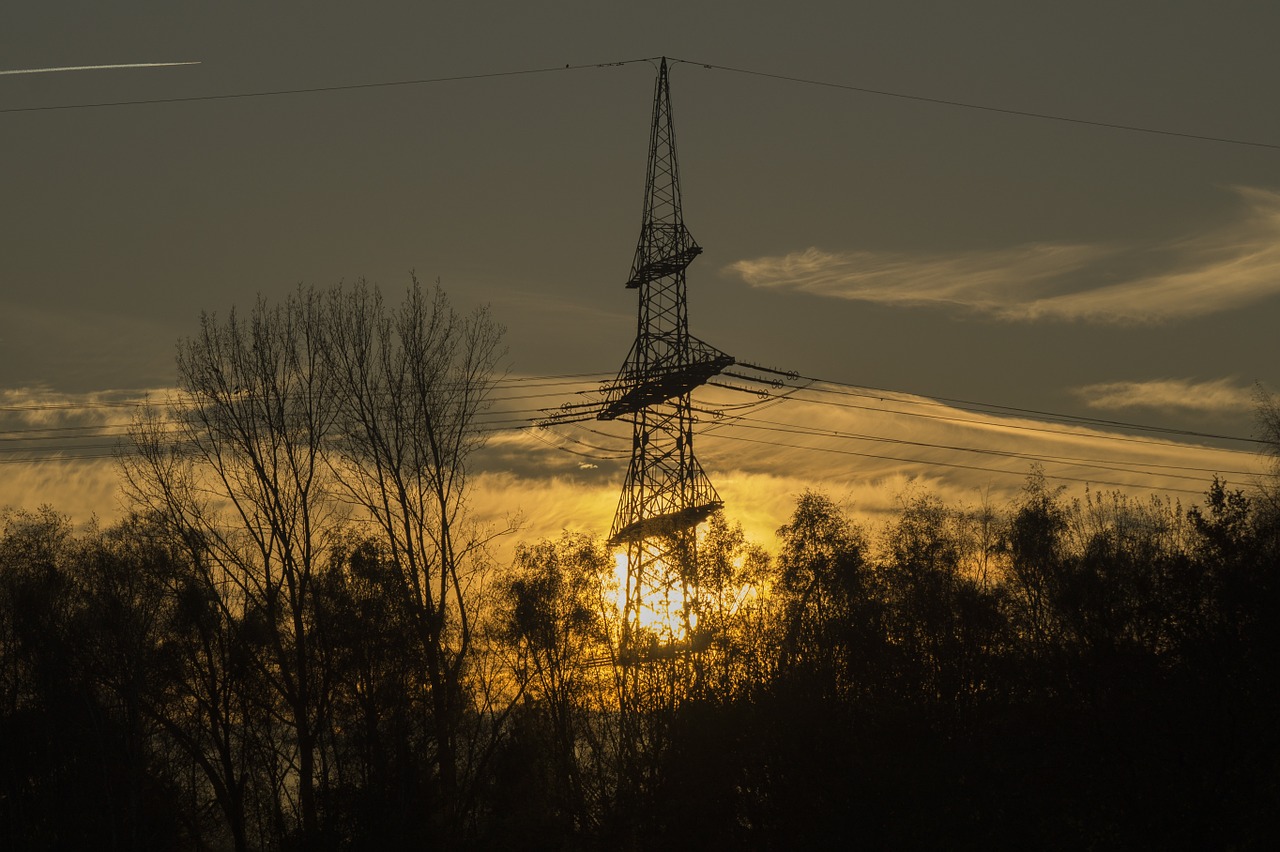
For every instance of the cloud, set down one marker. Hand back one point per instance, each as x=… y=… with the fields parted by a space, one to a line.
x=864 y=452
x=1225 y=269
x=982 y=281
x=1169 y=395
x=57 y=449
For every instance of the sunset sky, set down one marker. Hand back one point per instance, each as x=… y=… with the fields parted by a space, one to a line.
x=938 y=253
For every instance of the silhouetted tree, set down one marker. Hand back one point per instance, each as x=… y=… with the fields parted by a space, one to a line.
x=250 y=480
x=284 y=421
x=828 y=605
x=1095 y=672
x=733 y=613
x=80 y=762
x=947 y=623
x=381 y=779
x=409 y=384
x=550 y=613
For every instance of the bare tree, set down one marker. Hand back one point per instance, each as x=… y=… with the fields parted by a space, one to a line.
x=328 y=410
x=410 y=384
x=240 y=469
x=1268 y=415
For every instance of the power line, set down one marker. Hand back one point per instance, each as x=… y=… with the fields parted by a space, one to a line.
x=794 y=395
x=1022 y=427
x=272 y=93
x=953 y=465
x=1044 y=116
x=1098 y=464
x=1150 y=470
x=1143 y=469
x=500 y=419
x=790 y=78
x=995 y=408
x=561 y=380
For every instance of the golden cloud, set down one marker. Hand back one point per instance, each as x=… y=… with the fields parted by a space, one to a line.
x=863 y=449
x=1169 y=395
x=1222 y=270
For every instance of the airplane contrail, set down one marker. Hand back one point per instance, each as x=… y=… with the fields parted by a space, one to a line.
x=96 y=67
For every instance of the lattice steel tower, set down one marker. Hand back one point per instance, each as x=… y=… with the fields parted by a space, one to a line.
x=666 y=493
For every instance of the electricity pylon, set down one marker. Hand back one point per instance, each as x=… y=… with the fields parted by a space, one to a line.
x=666 y=493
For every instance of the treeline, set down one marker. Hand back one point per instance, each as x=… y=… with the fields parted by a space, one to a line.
x=299 y=640
x=1058 y=674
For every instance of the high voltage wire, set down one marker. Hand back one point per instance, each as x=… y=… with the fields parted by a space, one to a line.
x=501 y=420
x=103 y=453
x=1148 y=470
x=953 y=465
x=16 y=442
x=865 y=392
x=384 y=84
x=1143 y=469
x=994 y=408
x=1044 y=116
x=920 y=462
x=852 y=390
x=1098 y=464
x=1027 y=428
x=559 y=380
x=789 y=78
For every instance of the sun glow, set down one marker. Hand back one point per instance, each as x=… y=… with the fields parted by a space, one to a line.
x=657 y=608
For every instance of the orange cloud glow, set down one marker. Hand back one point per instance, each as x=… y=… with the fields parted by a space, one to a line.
x=863 y=452
x=1225 y=269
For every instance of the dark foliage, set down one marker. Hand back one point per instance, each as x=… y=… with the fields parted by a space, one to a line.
x=1091 y=674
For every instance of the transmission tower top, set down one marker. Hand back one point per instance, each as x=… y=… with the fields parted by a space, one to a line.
x=666 y=491
x=666 y=246
x=666 y=361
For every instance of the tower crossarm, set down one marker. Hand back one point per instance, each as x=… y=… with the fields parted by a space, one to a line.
x=634 y=389
x=669 y=524
x=661 y=258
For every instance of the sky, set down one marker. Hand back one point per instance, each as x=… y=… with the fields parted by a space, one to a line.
x=933 y=251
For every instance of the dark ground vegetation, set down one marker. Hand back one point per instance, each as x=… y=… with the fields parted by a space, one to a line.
x=1096 y=674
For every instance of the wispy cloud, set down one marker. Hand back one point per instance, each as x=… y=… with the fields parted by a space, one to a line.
x=568 y=478
x=1169 y=395
x=864 y=456
x=56 y=449
x=60 y=68
x=990 y=282
x=1221 y=270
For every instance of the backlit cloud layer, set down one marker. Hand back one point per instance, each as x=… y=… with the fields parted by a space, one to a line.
x=866 y=452
x=1217 y=271
x=57 y=449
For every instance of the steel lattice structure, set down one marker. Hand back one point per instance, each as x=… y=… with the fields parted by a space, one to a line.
x=666 y=493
